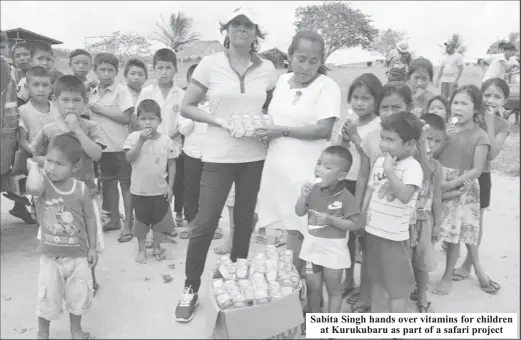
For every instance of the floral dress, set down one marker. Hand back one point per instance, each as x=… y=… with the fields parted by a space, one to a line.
x=461 y=214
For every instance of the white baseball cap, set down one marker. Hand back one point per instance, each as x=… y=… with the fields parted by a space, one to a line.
x=247 y=12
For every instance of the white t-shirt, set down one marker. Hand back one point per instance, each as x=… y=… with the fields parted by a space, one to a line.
x=498 y=66
x=387 y=217
x=364 y=131
x=149 y=170
x=451 y=65
x=195 y=134
x=33 y=121
x=224 y=88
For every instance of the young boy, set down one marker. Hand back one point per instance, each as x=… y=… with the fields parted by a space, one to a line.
x=21 y=54
x=68 y=226
x=111 y=105
x=450 y=70
x=395 y=181
x=169 y=96
x=41 y=55
x=4 y=45
x=80 y=62
x=136 y=75
x=332 y=212
x=152 y=156
x=70 y=101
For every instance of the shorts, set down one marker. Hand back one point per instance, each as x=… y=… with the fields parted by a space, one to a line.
x=312 y=268
x=423 y=257
x=114 y=165
x=389 y=265
x=485 y=187
x=152 y=212
x=61 y=278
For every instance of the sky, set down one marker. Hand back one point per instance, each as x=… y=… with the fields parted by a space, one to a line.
x=427 y=23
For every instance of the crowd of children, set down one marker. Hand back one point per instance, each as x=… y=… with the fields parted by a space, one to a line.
x=413 y=169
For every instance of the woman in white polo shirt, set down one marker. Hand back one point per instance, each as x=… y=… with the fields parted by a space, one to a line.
x=237 y=74
x=305 y=105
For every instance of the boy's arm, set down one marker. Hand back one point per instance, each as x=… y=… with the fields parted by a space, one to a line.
x=301 y=207
x=440 y=73
x=38 y=147
x=350 y=212
x=132 y=147
x=447 y=195
x=35 y=182
x=172 y=154
x=113 y=113
x=437 y=206
x=412 y=180
x=170 y=165
x=91 y=225
x=91 y=148
x=23 y=139
x=363 y=178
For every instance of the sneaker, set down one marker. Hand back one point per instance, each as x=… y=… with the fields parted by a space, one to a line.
x=184 y=311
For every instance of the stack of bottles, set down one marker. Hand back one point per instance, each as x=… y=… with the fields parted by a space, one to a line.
x=268 y=276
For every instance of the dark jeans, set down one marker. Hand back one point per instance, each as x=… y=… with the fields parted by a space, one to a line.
x=179 y=190
x=193 y=168
x=216 y=181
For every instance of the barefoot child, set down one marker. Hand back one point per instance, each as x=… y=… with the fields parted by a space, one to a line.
x=440 y=106
x=70 y=100
x=152 y=156
x=495 y=94
x=395 y=181
x=332 y=212
x=68 y=226
x=463 y=159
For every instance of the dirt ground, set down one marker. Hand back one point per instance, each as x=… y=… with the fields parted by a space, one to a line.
x=133 y=301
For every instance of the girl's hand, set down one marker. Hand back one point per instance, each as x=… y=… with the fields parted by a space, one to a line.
x=269 y=132
x=306 y=189
x=220 y=122
x=323 y=219
x=436 y=234
x=451 y=130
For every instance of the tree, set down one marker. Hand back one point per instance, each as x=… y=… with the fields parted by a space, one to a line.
x=513 y=38
x=387 y=41
x=340 y=25
x=177 y=33
x=460 y=46
x=124 y=46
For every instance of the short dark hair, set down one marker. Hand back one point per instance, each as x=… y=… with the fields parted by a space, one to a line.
x=69 y=83
x=21 y=44
x=405 y=124
x=444 y=101
x=69 y=145
x=78 y=52
x=421 y=63
x=399 y=88
x=507 y=46
x=37 y=71
x=342 y=153
x=40 y=47
x=497 y=82
x=373 y=84
x=136 y=63
x=106 y=58
x=434 y=121
x=149 y=105
x=190 y=71
x=164 y=54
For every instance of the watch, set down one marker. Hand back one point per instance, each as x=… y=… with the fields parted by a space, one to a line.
x=285 y=131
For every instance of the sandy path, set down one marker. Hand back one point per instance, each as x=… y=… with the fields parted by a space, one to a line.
x=133 y=301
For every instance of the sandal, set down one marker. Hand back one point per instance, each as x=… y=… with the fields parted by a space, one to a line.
x=346 y=292
x=492 y=288
x=352 y=297
x=125 y=238
x=218 y=234
x=179 y=222
x=221 y=250
x=424 y=307
x=261 y=239
x=361 y=308
x=185 y=234
x=458 y=277
x=280 y=241
x=159 y=255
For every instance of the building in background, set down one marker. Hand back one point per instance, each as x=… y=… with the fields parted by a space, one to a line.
x=20 y=34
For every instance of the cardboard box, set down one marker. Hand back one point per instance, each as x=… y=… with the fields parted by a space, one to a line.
x=277 y=319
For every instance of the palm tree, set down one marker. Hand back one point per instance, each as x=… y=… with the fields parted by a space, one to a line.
x=177 y=33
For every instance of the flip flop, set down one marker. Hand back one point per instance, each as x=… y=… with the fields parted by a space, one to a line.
x=352 y=297
x=179 y=222
x=185 y=234
x=493 y=287
x=159 y=256
x=424 y=308
x=218 y=234
x=125 y=238
x=259 y=239
x=280 y=241
x=220 y=251
x=363 y=308
x=458 y=277
x=346 y=292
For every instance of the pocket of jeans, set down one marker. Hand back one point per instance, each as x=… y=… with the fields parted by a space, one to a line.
x=80 y=293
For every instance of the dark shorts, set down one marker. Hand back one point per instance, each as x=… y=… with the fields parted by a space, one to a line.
x=485 y=186
x=151 y=212
x=114 y=165
x=312 y=268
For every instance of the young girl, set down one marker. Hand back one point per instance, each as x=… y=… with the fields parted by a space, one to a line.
x=495 y=94
x=463 y=159
x=419 y=77
x=440 y=106
x=363 y=95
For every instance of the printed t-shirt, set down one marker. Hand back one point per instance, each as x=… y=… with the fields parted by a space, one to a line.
x=387 y=216
x=326 y=245
x=149 y=170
